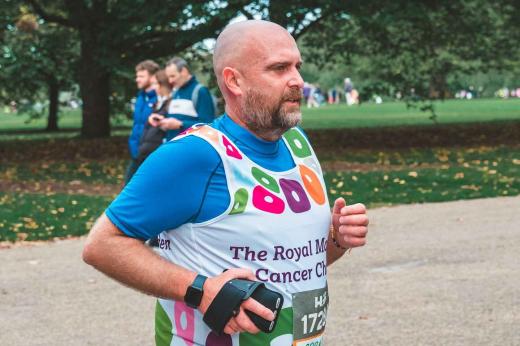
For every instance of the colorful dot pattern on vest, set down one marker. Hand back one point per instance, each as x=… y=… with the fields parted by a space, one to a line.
x=276 y=225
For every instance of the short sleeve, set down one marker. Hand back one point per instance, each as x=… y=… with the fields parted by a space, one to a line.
x=167 y=190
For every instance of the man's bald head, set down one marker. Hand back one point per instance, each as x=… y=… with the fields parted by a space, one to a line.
x=257 y=67
x=241 y=44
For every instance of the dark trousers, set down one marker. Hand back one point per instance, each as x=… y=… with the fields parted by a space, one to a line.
x=130 y=171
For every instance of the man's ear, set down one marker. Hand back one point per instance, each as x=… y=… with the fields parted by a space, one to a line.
x=232 y=80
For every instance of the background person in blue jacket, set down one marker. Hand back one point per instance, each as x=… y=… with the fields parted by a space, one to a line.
x=191 y=102
x=144 y=103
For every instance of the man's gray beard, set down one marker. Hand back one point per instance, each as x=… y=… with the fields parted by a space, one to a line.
x=262 y=119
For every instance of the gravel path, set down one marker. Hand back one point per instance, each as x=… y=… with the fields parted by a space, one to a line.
x=432 y=274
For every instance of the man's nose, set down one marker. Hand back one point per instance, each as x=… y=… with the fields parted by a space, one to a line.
x=296 y=79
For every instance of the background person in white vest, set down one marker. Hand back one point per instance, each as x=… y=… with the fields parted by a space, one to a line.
x=246 y=194
x=191 y=102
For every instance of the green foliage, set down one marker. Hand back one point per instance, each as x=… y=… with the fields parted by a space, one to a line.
x=36 y=56
x=414 y=47
x=484 y=84
x=113 y=36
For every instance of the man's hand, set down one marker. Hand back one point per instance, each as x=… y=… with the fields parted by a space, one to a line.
x=155 y=119
x=170 y=124
x=350 y=223
x=241 y=322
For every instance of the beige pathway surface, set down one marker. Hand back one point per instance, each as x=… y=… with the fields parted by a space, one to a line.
x=432 y=274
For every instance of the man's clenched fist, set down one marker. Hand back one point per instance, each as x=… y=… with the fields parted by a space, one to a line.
x=350 y=223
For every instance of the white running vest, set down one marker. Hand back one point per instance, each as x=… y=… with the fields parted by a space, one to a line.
x=277 y=225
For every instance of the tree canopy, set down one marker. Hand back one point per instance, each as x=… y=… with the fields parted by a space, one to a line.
x=113 y=35
x=412 y=47
x=38 y=58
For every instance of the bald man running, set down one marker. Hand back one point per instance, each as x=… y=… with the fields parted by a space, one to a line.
x=245 y=194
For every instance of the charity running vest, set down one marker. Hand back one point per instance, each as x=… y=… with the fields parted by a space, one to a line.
x=276 y=225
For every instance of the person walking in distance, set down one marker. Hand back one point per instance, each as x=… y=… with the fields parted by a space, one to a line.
x=145 y=100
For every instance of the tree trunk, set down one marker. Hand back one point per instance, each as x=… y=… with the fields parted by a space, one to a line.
x=438 y=86
x=52 y=120
x=94 y=81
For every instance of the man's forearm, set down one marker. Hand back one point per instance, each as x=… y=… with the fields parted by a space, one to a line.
x=132 y=263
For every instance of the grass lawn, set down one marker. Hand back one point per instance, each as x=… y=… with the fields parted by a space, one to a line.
x=57 y=187
x=328 y=116
x=19 y=127
x=89 y=172
x=370 y=176
x=421 y=185
x=396 y=114
x=69 y=119
x=424 y=175
x=26 y=216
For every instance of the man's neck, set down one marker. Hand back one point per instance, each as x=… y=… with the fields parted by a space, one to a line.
x=271 y=136
x=186 y=81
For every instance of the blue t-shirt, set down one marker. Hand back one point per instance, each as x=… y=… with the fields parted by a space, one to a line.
x=184 y=181
x=204 y=107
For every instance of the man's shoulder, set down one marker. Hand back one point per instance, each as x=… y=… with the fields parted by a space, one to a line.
x=300 y=129
x=199 y=89
x=184 y=92
x=203 y=90
x=191 y=149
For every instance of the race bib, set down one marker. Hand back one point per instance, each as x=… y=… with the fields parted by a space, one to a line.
x=309 y=317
